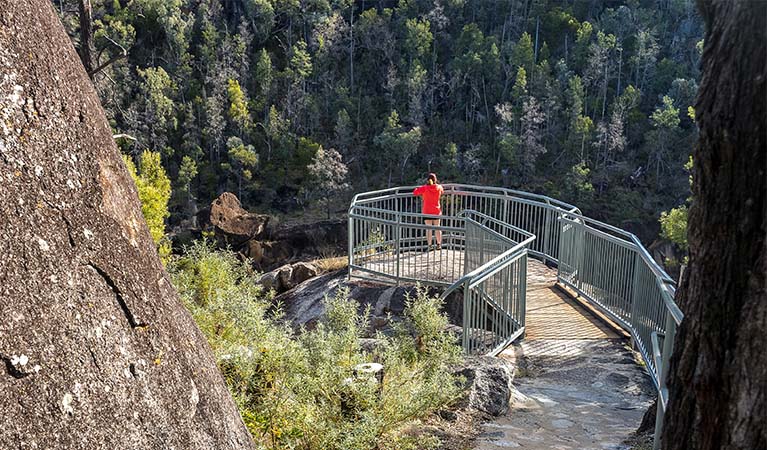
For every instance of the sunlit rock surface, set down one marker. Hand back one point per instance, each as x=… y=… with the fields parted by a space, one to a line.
x=96 y=351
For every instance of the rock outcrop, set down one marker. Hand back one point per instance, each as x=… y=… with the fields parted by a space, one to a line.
x=264 y=241
x=304 y=304
x=288 y=276
x=96 y=349
x=233 y=225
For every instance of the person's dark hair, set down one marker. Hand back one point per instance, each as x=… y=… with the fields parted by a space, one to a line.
x=431 y=179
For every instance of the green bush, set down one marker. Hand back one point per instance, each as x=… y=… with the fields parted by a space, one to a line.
x=673 y=226
x=300 y=390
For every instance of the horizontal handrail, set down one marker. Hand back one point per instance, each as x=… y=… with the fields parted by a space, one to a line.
x=630 y=237
x=472 y=212
x=458 y=188
x=509 y=255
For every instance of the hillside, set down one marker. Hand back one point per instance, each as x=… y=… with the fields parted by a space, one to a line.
x=585 y=101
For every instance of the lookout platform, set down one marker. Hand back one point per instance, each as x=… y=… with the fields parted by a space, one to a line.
x=495 y=244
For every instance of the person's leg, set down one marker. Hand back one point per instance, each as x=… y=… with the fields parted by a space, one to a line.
x=439 y=234
x=428 y=232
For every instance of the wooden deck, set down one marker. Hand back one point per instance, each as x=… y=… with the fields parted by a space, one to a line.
x=444 y=266
x=553 y=314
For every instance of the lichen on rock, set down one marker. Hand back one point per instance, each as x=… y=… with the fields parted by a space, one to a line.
x=83 y=296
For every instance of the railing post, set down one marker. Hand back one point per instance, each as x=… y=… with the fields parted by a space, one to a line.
x=561 y=231
x=635 y=297
x=579 y=234
x=546 y=245
x=668 y=348
x=505 y=209
x=523 y=290
x=351 y=242
x=481 y=248
x=467 y=319
x=398 y=232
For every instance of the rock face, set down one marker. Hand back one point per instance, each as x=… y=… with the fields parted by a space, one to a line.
x=315 y=238
x=288 y=276
x=304 y=304
x=96 y=350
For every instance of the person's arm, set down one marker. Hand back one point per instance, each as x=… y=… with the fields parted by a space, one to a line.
x=418 y=190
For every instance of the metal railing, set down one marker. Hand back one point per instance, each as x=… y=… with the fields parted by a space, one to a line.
x=608 y=267
x=536 y=214
x=480 y=254
x=612 y=270
x=495 y=284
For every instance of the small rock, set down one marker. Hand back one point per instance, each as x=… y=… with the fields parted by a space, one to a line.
x=302 y=271
x=66 y=403
x=379 y=322
x=285 y=274
x=254 y=250
x=270 y=281
x=489 y=382
x=448 y=415
x=561 y=423
x=369 y=345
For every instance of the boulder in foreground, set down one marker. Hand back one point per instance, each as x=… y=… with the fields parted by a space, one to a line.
x=96 y=350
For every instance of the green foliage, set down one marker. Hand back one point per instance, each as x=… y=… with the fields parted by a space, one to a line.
x=581 y=191
x=300 y=61
x=418 y=38
x=666 y=116
x=397 y=143
x=301 y=391
x=674 y=226
x=154 y=193
x=264 y=76
x=328 y=176
x=271 y=73
x=243 y=160
x=158 y=88
x=523 y=53
x=520 y=84
x=238 y=106
x=186 y=173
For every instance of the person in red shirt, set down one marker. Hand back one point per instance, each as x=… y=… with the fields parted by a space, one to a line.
x=430 y=194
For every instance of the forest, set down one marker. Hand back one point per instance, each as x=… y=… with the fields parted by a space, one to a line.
x=292 y=103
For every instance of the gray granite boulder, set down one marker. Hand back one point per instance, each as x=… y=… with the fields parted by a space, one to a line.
x=96 y=350
x=488 y=383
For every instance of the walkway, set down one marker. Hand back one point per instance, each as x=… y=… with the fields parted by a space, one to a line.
x=552 y=314
x=578 y=385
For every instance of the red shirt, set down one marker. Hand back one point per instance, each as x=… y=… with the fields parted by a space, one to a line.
x=430 y=194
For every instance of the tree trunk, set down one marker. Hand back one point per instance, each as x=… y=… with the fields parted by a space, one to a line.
x=718 y=372
x=351 y=48
x=96 y=350
x=86 y=36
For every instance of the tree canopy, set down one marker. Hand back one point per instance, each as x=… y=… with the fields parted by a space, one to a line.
x=601 y=85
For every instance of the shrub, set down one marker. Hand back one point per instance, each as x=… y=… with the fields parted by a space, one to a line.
x=300 y=390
